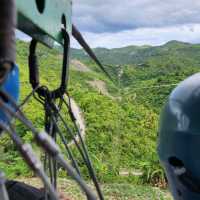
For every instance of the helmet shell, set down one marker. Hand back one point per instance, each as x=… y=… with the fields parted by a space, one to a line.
x=179 y=135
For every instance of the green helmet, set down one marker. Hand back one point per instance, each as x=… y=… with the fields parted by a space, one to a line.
x=179 y=139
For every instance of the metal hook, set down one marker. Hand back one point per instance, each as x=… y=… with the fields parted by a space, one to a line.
x=34 y=68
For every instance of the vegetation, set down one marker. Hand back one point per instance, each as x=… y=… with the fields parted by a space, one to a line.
x=122 y=126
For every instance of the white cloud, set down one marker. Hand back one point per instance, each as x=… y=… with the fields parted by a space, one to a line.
x=143 y=36
x=111 y=23
x=22 y=36
x=114 y=16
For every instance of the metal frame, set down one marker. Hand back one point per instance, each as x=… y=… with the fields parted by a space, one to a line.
x=44 y=24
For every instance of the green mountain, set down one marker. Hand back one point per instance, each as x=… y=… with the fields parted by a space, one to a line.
x=140 y=54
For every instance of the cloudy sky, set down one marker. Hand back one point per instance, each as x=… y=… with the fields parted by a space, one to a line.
x=112 y=23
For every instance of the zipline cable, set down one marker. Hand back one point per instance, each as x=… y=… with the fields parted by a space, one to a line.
x=78 y=36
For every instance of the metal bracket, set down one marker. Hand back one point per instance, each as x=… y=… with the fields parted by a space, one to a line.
x=43 y=19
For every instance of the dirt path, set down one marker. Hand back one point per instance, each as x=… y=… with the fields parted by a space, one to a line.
x=79 y=66
x=97 y=84
x=101 y=87
x=113 y=191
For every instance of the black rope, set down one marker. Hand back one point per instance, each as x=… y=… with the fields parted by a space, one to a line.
x=52 y=115
x=83 y=151
x=48 y=105
x=74 y=163
x=50 y=129
x=28 y=97
x=89 y=163
x=65 y=68
x=49 y=146
x=33 y=65
x=71 y=134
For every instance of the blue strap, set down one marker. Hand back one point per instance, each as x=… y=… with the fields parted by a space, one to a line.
x=11 y=86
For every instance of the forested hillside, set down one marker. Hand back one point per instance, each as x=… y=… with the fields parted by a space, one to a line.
x=141 y=54
x=121 y=118
x=146 y=68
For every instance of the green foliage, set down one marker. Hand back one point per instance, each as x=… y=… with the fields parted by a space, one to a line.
x=121 y=128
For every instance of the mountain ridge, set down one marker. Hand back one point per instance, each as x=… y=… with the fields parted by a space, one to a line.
x=138 y=54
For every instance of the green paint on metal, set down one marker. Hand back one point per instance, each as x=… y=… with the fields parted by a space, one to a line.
x=43 y=19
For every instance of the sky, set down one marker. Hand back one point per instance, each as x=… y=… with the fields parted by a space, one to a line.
x=113 y=24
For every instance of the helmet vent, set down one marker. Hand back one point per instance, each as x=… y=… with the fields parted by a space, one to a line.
x=175 y=162
x=179 y=192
